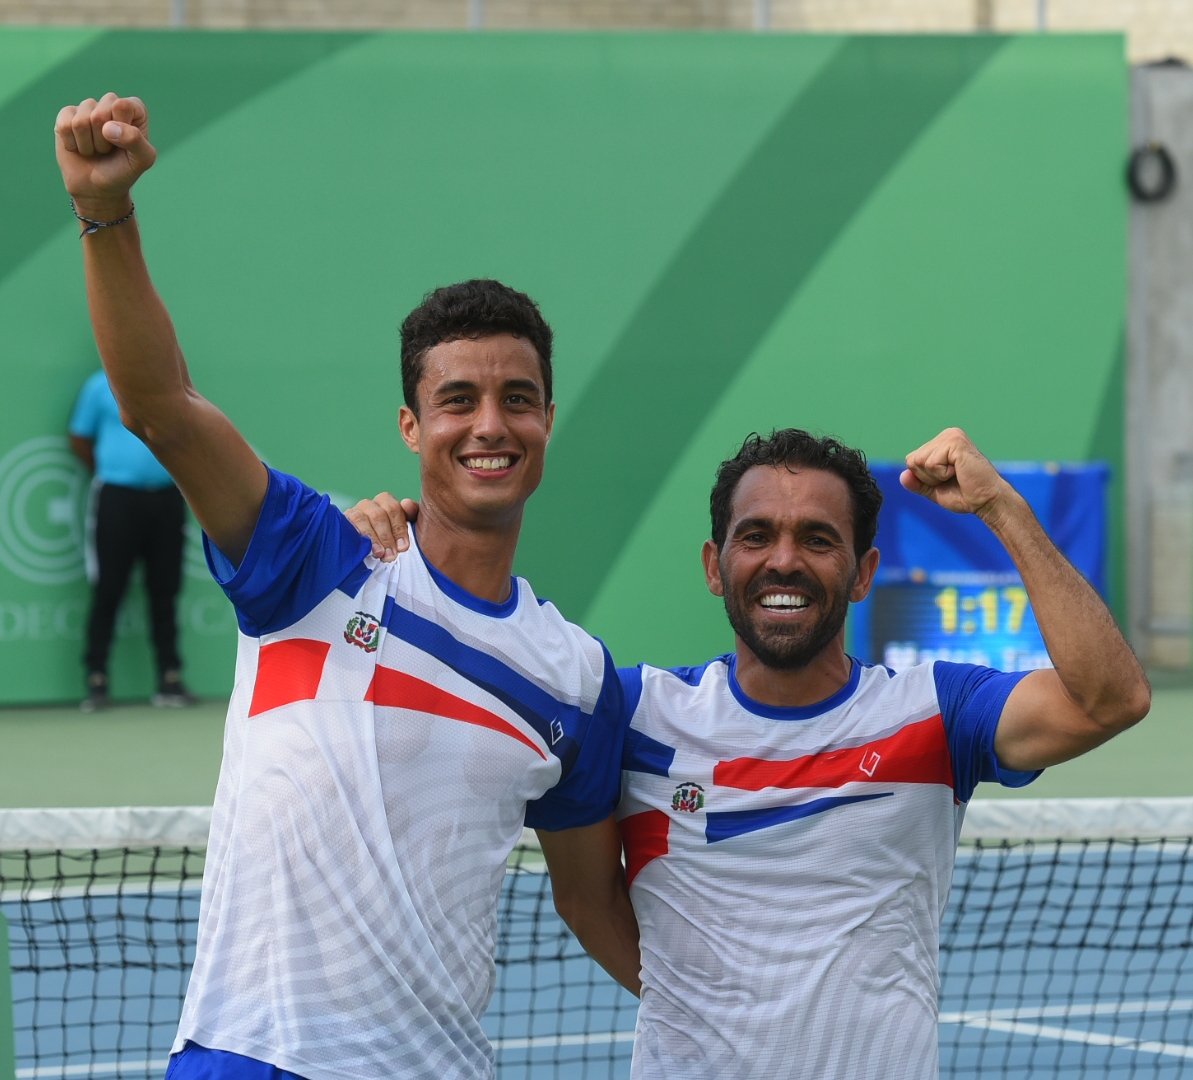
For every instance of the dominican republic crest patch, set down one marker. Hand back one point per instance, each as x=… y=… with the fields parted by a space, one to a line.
x=363 y=631
x=688 y=797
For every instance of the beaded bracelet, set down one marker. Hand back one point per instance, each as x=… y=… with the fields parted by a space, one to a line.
x=94 y=226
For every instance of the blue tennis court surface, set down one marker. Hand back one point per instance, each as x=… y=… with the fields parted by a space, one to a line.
x=1073 y=962
x=1053 y=966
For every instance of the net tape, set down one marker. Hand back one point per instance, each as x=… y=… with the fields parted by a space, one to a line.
x=77 y=828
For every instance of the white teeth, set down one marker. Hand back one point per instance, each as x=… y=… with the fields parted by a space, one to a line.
x=488 y=464
x=782 y=600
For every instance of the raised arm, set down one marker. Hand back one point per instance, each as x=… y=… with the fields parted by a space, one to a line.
x=103 y=148
x=589 y=889
x=1096 y=688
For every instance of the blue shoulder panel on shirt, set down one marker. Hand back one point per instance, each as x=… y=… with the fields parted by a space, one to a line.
x=302 y=550
x=693 y=675
x=643 y=754
x=971 y=703
x=588 y=791
x=631 y=687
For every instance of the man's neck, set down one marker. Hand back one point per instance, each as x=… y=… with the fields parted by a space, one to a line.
x=817 y=681
x=480 y=561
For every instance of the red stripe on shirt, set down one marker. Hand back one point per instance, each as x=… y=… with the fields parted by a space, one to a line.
x=643 y=838
x=916 y=754
x=396 y=688
x=287 y=671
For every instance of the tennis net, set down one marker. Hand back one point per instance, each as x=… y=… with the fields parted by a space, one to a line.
x=1067 y=947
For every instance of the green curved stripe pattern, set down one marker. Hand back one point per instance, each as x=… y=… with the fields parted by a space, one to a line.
x=872 y=236
x=193 y=81
x=739 y=268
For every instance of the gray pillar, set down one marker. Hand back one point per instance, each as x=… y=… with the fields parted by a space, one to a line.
x=1159 y=451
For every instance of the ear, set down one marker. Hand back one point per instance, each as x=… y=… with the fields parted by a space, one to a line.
x=866 y=569
x=550 y=419
x=408 y=426
x=712 y=568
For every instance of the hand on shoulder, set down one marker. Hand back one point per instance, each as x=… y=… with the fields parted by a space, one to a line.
x=383 y=519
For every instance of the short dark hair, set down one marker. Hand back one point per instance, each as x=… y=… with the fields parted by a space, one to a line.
x=793 y=448
x=471 y=309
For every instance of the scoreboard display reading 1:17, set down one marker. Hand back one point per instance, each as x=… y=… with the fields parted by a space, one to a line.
x=946 y=590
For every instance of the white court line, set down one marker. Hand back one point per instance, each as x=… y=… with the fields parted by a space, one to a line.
x=536 y=1042
x=187 y=888
x=1118 y=1008
x=1012 y=1022
x=102 y=1068
x=1089 y=1038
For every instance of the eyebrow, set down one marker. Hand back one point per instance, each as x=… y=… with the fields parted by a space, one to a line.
x=455 y=385
x=746 y=524
x=826 y=527
x=523 y=384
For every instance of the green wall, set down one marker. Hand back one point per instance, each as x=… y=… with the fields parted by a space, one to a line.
x=873 y=237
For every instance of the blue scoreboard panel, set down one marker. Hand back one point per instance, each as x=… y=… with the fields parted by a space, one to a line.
x=946 y=590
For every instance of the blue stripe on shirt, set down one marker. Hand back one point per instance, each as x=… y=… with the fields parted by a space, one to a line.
x=555 y=721
x=729 y=823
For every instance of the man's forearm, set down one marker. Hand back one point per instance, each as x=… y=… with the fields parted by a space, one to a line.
x=589 y=889
x=610 y=936
x=1093 y=661
x=132 y=328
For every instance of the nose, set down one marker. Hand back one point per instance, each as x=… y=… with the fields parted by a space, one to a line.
x=489 y=420
x=784 y=556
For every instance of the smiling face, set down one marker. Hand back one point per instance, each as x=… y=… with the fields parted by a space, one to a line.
x=787 y=570
x=481 y=430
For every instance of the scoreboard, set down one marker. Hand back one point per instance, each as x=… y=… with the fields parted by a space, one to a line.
x=945 y=588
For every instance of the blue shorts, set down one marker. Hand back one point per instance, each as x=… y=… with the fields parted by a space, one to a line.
x=195 y=1062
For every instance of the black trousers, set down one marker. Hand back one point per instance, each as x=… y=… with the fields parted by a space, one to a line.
x=132 y=526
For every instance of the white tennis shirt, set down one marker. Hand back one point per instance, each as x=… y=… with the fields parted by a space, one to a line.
x=385 y=735
x=789 y=867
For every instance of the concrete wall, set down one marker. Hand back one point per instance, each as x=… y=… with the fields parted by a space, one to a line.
x=1154 y=29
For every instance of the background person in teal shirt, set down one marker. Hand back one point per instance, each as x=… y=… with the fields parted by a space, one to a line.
x=135 y=514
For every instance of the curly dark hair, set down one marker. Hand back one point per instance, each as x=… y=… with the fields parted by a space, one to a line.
x=794 y=448
x=470 y=309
